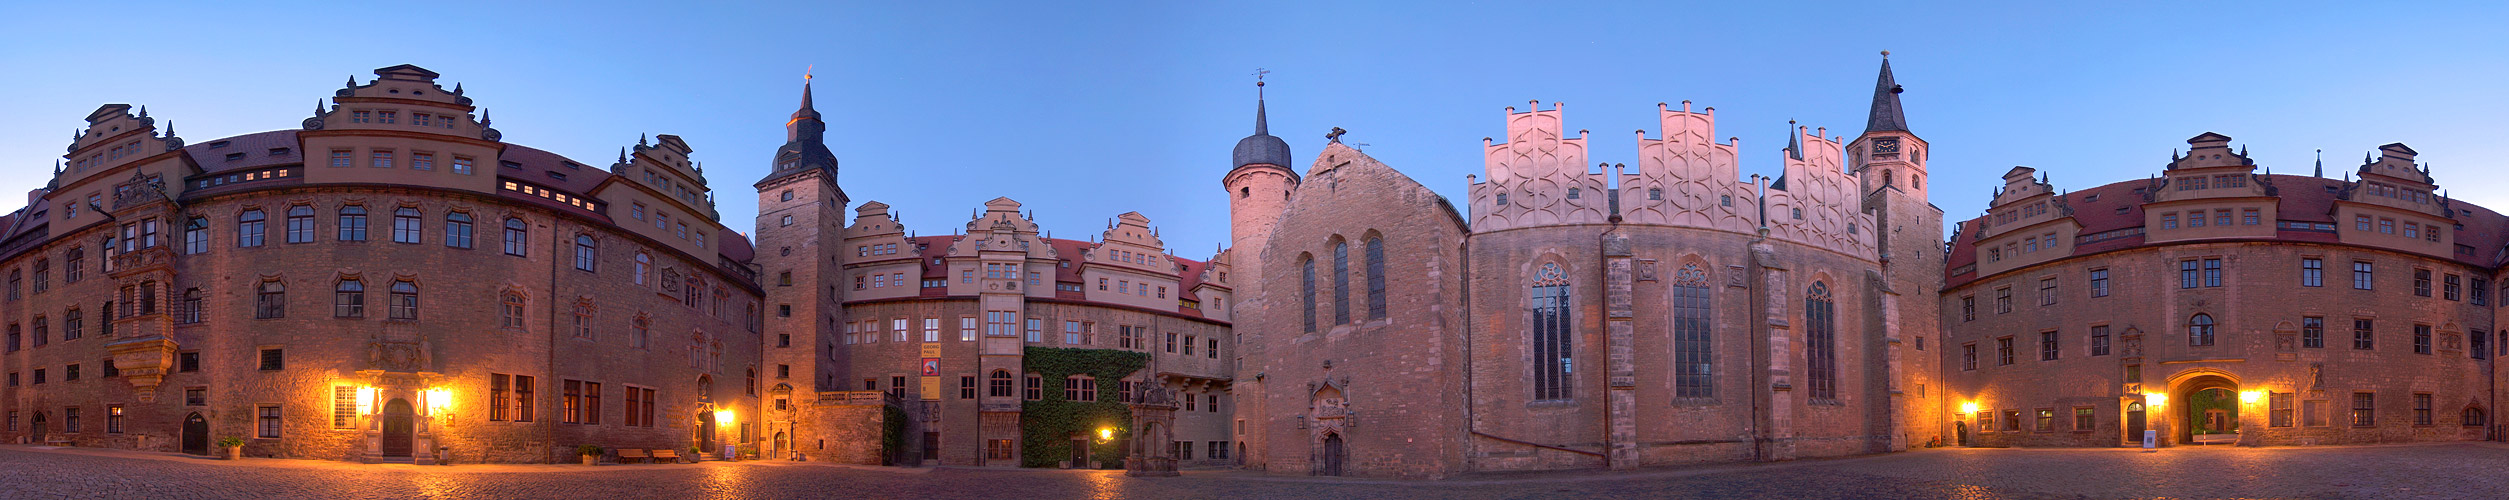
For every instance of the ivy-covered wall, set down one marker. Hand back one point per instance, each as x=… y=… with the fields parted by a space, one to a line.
x=892 y=435
x=1046 y=425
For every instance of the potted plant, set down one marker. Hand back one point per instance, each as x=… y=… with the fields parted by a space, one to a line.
x=592 y=454
x=234 y=447
x=696 y=453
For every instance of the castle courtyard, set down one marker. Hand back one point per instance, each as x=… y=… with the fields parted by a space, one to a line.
x=2433 y=470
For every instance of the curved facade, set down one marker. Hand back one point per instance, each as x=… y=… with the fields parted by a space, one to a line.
x=1569 y=318
x=391 y=282
x=2217 y=304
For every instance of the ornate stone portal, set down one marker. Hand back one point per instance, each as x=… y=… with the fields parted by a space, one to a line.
x=1154 y=425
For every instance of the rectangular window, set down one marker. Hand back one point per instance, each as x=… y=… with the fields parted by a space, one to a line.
x=461 y=165
x=422 y=161
x=1969 y=356
x=2421 y=339
x=2421 y=409
x=2313 y=332
x=382 y=158
x=2364 y=409
x=273 y=359
x=2212 y=273
x=2099 y=340
x=268 y=419
x=2312 y=272
x=966 y=329
x=2047 y=346
x=2250 y=217
x=2003 y=300
x=932 y=329
x=2360 y=275
x=592 y=402
x=2188 y=276
x=2278 y=409
x=2481 y=291
x=2169 y=220
x=2003 y=351
x=2099 y=282
x=1071 y=333
x=2361 y=334
x=342 y=157
x=343 y=407
x=1968 y=308
x=1036 y=330
x=967 y=387
x=498 y=385
x=2421 y=282
x=523 y=404
x=2084 y=419
x=113 y=419
x=2047 y=420
x=2450 y=289
x=2012 y=420
x=2047 y=291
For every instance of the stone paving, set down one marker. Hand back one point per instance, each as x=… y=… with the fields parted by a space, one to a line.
x=2452 y=470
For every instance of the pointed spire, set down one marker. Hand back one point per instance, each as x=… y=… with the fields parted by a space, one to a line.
x=2321 y=164
x=622 y=154
x=1886 y=116
x=352 y=81
x=1794 y=140
x=484 y=119
x=640 y=140
x=457 y=88
x=317 y=106
x=143 y=111
x=169 y=128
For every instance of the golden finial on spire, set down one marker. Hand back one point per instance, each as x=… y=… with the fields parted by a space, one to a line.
x=1885 y=54
x=805 y=72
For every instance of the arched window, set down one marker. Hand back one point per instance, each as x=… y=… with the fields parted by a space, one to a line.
x=516 y=234
x=1886 y=177
x=636 y=333
x=348 y=299
x=405 y=225
x=1245 y=192
x=404 y=300
x=1694 y=348
x=1916 y=181
x=193 y=311
x=705 y=386
x=270 y=302
x=352 y=223
x=1820 y=350
x=583 y=319
x=74 y=261
x=248 y=229
x=1000 y=384
x=300 y=224
x=753 y=382
x=1341 y=281
x=457 y=230
x=2200 y=330
x=586 y=252
x=644 y=265
x=2473 y=417
x=511 y=311
x=1376 y=277
x=1554 y=363
x=1306 y=294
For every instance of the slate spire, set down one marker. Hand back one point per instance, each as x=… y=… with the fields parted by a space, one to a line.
x=805 y=126
x=1886 y=116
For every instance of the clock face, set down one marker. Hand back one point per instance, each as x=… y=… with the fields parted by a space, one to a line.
x=1885 y=146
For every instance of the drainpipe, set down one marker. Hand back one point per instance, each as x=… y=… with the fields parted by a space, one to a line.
x=547 y=431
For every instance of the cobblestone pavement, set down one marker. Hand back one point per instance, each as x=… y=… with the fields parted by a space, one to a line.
x=2454 y=470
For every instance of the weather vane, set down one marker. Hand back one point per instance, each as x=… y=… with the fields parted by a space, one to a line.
x=806 y=70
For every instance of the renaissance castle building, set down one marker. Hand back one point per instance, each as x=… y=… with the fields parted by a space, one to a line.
x=392 y=281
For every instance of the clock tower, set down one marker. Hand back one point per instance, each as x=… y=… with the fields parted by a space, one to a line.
x=1889 y=161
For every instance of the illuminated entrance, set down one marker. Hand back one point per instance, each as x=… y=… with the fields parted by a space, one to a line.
x=2205 y=409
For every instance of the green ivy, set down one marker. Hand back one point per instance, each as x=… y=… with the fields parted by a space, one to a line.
x=1048 y=423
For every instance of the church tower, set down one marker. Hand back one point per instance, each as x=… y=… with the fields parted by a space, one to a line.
x=1259 y=183
x=800 y=230
x=1889 y=161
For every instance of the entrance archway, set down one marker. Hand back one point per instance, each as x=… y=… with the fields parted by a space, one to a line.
x=39 y=429
x=705 y=431
x=782 y=444
x=2204 y=409
x=2135 y=421
x=1960 y=432
x=399 y=433
x=196 y=435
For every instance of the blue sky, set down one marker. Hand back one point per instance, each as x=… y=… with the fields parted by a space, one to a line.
x=1083 y=112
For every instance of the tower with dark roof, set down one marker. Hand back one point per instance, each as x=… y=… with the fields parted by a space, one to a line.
x=1259 y=184
x=800 y=232
x=1889 y=162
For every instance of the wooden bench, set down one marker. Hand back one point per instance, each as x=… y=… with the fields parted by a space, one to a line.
x=626 y=454
x=57 y=441
x=672 y=455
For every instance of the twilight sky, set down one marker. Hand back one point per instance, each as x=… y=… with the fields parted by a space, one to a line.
x=1083 y=112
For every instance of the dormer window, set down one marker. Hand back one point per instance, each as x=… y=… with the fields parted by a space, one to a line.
x=571 y=165
x=218 y=145
x=511 y=164
x=279 y=151
x=235 y=156
x=557 y=175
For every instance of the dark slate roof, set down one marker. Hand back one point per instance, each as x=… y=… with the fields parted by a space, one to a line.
x=1886 y=115
x=1260 y=148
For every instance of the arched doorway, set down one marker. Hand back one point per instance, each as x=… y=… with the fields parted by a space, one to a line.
x=399 y=431
x=1330 y=461
x=1960 y=431
x=196 y=435
x=2205 y=409
x=705 y=431
x=39 y=430
x=781 y=445
x=2135 y=421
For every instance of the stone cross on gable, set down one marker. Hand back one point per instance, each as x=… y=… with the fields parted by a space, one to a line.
x=1336 y=135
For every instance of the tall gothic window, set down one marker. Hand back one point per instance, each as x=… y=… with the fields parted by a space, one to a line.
x=196 y=235
x=516 y=232
x=404 y=300
x=249 y=228
x=1341 y=281
x=644 y=264
x=1306 y=295
x=348 y=299
x=1376 y=278
x=586 y=252
x=1694 y=350
x=2200 y=330
x=1820 y=343
x=1553 y=361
